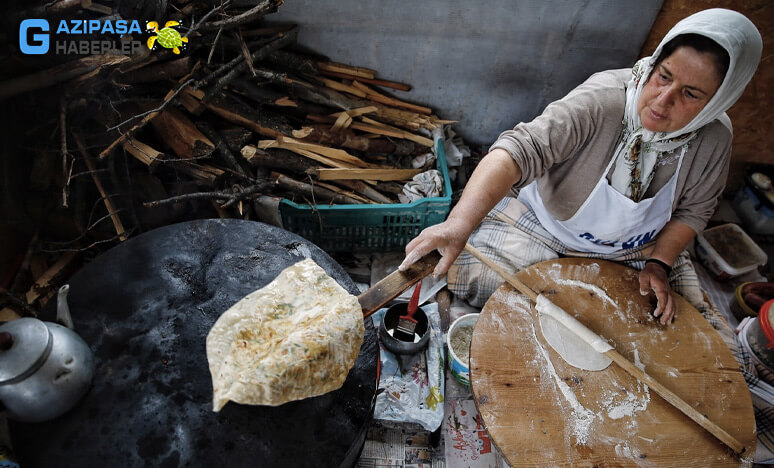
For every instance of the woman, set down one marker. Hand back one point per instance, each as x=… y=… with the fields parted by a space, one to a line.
x=627 y=167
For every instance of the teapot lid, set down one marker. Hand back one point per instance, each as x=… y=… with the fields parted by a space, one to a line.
x=31 y=344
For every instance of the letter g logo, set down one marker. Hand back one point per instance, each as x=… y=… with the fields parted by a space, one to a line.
x=39 y=43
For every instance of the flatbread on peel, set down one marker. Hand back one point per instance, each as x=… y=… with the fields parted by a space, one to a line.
x=295 y=338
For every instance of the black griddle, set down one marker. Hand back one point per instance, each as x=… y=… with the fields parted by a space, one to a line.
x=145 y=308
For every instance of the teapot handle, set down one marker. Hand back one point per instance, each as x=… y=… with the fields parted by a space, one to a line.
x=62 y=309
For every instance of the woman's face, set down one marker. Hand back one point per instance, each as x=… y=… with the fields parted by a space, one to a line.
x=677 y=90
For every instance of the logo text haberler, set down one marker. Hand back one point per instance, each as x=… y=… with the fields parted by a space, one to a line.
x=36 y=36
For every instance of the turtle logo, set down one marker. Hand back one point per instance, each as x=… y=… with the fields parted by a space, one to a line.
x=167 y=37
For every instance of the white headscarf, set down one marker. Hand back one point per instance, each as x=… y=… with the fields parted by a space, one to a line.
x=740 y=38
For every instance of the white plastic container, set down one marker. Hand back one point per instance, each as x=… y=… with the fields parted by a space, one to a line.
x=727 y=251
x=460 y=367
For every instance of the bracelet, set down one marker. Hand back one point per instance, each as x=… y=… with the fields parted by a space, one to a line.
x=663 y=265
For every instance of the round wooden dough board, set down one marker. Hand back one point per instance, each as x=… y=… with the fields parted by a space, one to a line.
x=540 y=411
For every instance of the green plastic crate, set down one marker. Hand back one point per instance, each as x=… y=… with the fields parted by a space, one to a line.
x=358 y=228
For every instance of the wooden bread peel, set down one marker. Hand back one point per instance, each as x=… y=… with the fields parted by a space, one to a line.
x=625 y=364
x=378 y=295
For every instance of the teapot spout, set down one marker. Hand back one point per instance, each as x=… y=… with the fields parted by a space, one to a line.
x=62 y=309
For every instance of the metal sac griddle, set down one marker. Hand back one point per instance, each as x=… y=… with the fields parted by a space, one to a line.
x=145 y=308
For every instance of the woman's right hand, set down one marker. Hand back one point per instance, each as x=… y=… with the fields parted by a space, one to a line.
x=488 y=184
x=448 y=238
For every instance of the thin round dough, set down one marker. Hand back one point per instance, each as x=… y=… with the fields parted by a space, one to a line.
x=570 y=347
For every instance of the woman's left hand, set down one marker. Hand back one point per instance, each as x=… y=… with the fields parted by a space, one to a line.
x=654 y=278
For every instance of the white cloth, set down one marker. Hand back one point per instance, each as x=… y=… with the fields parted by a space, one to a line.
x=608 y=221
x=423 y=185
x=740 y=38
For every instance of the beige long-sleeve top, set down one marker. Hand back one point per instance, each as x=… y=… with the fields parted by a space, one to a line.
x=568 y=147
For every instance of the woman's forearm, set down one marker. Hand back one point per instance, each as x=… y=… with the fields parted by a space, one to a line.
x=490 y=182
x=672 y=240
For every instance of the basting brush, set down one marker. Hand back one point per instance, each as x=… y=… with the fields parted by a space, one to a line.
x=407 y=323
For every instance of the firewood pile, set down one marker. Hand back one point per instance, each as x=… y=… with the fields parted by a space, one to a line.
x=117 y=144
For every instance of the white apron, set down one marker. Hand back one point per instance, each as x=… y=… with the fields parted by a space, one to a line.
x=607 y=221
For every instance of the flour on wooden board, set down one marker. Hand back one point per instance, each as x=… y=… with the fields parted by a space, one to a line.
x=582 y=418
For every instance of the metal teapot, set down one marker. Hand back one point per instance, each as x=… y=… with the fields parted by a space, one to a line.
x=45 y=368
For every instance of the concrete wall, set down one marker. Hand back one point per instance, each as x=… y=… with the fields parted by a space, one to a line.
x=487 y=64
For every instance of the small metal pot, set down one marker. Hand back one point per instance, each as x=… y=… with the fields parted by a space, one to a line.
x=390 y=321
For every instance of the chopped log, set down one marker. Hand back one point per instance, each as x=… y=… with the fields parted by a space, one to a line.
x=312 y=192
x=389 y=187
x=366 y=174
x=234 y=117
x=142 y=152
x=149 y=116
x=361 y=187
x=383 y=83
x=321 y=134
x=109 y=206
x=157 y=72
x=236 y=137
x=306 y=153
x=348 y=69
x=331 y=98
x=261 y=94
x=193 y=105
x=378 y=129
x=222 y=148
x=58 y=74
x=334 y=154
x=202 y=172
x=45 y=283
x=277 y=159
x=177 y=132
x=293 y=62
x=348 y=193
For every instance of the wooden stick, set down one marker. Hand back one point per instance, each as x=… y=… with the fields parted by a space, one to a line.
x=44 y=282
x=142 y=152
x=348 y=69
x=330 y=153
x=111 y=209
x=383 y=83
x=312 y=191
x=361 y=187
x=378 y=130
x=309 y=154
x=381 y=98
x=340 y=190
x=342 y=87
x=57 y=74
x=624 y=363
x=366 y=174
